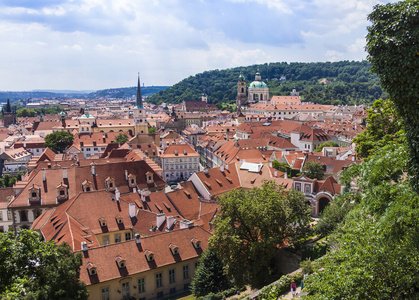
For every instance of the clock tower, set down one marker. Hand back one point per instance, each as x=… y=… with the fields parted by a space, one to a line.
x=140 y=122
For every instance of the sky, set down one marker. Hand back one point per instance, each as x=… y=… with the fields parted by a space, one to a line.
x=100 y=44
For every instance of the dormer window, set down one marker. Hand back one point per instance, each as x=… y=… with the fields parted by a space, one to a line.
x=149 y=255
x=62 y=191
x=110 y=184
x=132 y=180
x=119 y=219
x=174 y=249
x=120 y=261
x=149 y=177
x=87 y=186
x=91 y=268
x=34 y=193
x=196 y=243
x=102 y=222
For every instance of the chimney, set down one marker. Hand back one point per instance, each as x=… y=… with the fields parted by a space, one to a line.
x=160 y=219
x=170 y=220
x=92 y=168
x=276 y=174
x=84 y=246
x=222 y=168
x=117 y=194
x=353 y=157
x=44 y=174
x=132 y=210
x=134 y=190
x=126 y=174
x=137 y=238
x=186 y=224
x=65 y=176
x=226 y=166
x=285 y=175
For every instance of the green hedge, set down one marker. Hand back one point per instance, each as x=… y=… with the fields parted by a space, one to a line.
x=272 y=292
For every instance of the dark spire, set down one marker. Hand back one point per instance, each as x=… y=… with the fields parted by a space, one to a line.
x=139 y=99
x=8 y=107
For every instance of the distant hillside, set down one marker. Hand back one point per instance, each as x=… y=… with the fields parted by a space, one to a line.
x=350 y=83
x=127 y=92
x=108 y=93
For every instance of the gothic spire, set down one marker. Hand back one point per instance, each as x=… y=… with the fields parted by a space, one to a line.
x=139 y=99
x=8 y=107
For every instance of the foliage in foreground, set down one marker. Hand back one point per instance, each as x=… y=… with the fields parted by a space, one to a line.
x=393 y=50
x=252 y=226
x=34 y=269
x=375 y=252
x=283 y=285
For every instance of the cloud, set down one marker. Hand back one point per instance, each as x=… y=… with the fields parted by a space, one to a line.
x=94 y=44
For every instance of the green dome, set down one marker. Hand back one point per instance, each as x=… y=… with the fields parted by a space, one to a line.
x=258 y=85
x=241 y=77
x=62 y=114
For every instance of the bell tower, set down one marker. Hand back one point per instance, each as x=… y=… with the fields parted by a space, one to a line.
x=140 y=122
x=241 y=93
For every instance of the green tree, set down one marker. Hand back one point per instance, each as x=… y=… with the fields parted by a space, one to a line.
x=121 y=138
x=393 y=48
x=384 y=127
x=326 y=144
x=251 y=227
x=209 y=276
x=24 y=112
x=335 y=213
x=152 y=129
x=375 y=250
x=313 y=170
x=58 y=141
x=34 y=269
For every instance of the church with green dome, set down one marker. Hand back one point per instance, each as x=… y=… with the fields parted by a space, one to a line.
x=258 y=91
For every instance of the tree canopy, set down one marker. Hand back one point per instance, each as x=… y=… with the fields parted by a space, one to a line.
x=393 y=50
x=326 y=144
x=121 y=138
x=34 y=269
x=209 y=276
x=384 y=127
x=375 y=250
x=58 y=141
x=251 y=227
x=349 y=83
x=314 y=170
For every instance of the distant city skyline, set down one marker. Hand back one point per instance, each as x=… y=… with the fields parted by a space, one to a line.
x=100 y=44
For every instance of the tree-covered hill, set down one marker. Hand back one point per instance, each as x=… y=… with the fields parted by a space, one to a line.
x=127 y=92
x=350 y=83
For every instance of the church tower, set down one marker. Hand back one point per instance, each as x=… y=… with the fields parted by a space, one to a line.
x=140 y=122
x=9 y=117
x=241 y=93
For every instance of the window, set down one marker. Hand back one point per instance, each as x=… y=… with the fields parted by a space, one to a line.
x=159 y=295
x=105 y=294
x=186 y=287
x=172 y=291
x=1 y=229
x=1 y=216
x=105 y=240
x=9 y=215
x=172 y=276
x=159 y=280
x=23 y=216
x=141 y=285
x=117 y=238
x=127 y=236
x=185 y=272
x=125 y=290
